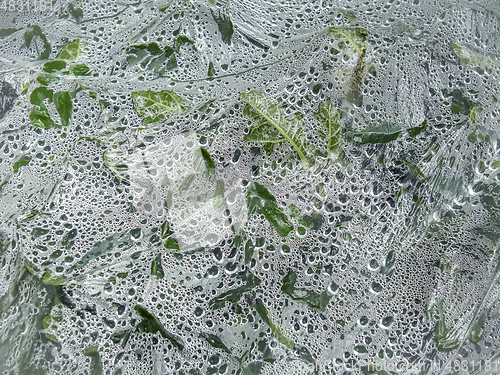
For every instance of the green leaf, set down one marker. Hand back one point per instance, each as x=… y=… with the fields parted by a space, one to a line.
x=314 y=300
x=34 y=32
x=40 y=117
x=172 y=243
x=64 y=106
x=253 y=368
x=39 y=94
x=156 y=268
x=155 y=106
x=390 y=263
x=470 y=57
x=23 y=161
x=122 y=241
x=181 y=40
x=475 y=333
x=7 y=32
x=215 y=341
x=446 y=340
x=218 y=195
x=273 y=126
x=211 y=71
x=260 y=200
x=47 y=80
x=374 y=135
x=209 y=163
x=95 y=364
x=416 y=130
x=54 y=65
x=416 y=172
x=69 y=239
x=48 y=279
x=275 y=329
x=225 y=26
x=234 y=295
x=81 y=70
x=315 y=221
x=329 y=118
x=151 y=324
x=47 y=321
x=71 y=51
x=356 y=36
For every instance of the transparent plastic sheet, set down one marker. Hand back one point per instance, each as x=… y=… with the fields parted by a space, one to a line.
x=198 y=187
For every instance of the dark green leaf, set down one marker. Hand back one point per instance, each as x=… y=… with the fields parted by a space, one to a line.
x=249 y=249
x=156 y=106
x=64 y=106
x=209 y=163
x=374 y=135
x=23 y=161
x=71 y=51
x=225 y=26
x=275 y=329
x=122 y=241
x=390 y=262
x=215 y=342
x=211 y=71
x=54 y=65
x=329 y=118
x=77 y=13
x=34 y=32
x=416 y=130
x=81 y=70
x=69 y=238
x=312 y=299
x=181 y=40
x=415 y=172
x=273 y=126
x=156 y=268
x=151 y=324
x=234 y=295
x=260 y=200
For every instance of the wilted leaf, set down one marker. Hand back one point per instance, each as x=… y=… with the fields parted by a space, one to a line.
x=273 y=126
x=156 y=106
x=356 y=36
